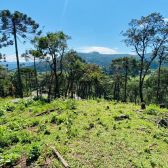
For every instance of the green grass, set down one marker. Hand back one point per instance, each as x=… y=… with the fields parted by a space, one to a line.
x=86 y=134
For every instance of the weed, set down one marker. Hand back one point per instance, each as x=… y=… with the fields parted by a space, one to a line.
x=8 y=160
x=26 y=139
x=147 y=150
x=46 y=132
x=71 y=104
x=98 y=100
x=2 y=112
x=13 y=138
x=33 y=154
x=34 y=123
x=153 y=163
x=41 y=128
x=151 y=111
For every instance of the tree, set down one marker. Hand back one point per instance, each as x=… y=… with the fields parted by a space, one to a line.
x=29 y=54
x=73 y=66
x=148 y=33
x=17 y=24
x=162 y=56
x=53 y=48
x=127 y=66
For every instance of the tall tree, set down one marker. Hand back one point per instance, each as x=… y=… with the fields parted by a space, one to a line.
x=17 y=24
x=53 y=48
x=162 y=56
x=148 y=33
x=73 y=66
x=127 y=66
x=33 y=54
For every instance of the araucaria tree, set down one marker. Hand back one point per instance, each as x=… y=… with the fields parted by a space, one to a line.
x=146 y=35
x=16 y=24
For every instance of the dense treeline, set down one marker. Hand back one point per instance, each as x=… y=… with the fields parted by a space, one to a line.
x=130 y=79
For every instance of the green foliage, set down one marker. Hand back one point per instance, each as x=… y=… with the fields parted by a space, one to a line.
x=2 y=111
x=90 y=126
x=8 y=160
x=33 y=154
x=57 y=119
x=151 y=111
x=26 y=138
x=98 y=100
x=34 y=123
x=71 y=104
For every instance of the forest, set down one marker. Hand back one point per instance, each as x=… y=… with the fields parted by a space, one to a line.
x=89 y=113
x=130 y=79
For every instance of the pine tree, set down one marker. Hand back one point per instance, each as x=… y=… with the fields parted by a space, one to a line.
x=16 y=24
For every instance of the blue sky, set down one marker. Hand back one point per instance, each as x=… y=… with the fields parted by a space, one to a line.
x=94 y=25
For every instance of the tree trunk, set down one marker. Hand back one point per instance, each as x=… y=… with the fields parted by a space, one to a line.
x=49 y=92
x=26 y=85
x=126 y=74
x=30 y=83
x=158 y=88
x=140 y=81
x=71 y=89
x=17 y=58
x=36 y=75
x=66 y=91
x=57 y=91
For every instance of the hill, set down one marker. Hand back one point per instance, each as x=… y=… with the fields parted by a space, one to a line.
x=87 y=133
x=103 y=60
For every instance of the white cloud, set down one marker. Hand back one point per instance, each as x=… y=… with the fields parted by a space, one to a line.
x=132 y=53
x=101 y=50
x=12 y=58
x=166 y=19
x=143 y=25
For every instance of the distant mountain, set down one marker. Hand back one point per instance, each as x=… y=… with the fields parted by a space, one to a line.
x=13 y=65
x=103 y=60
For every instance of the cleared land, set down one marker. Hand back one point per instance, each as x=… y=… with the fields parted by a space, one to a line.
x=86 y=133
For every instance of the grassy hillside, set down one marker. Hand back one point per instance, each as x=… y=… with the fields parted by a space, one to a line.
x=86 y=133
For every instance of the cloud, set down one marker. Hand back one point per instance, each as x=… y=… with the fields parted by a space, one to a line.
x=166 y=19
x=64 y=9
x=101 y=50
x=12 y=58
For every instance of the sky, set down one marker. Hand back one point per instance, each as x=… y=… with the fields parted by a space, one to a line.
x=94 y=25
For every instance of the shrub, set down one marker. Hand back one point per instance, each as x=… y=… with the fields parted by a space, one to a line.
x=151 y=111
x=57 y=119
x=2 y=111
x=8 y=160
x=33 y=154
x=13 y=138
x=71 y=104
x=26 y=138
x=98 y=100
x=41 y=128
x=46 y=132
x=34 y=123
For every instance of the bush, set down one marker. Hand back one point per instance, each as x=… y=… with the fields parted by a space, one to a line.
x=34 y=123
x=151 y=111
x=71 y=104
x=33 y=154
x=57 y=119
x=2 y=111
x=13 y=138
x=98 y=100
x=26 y=138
